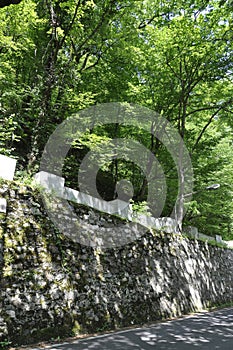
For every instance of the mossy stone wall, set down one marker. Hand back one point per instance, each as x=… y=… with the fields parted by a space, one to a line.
x=51 y=286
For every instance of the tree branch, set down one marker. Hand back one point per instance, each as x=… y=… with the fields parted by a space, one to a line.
x=98 y=26
x=201 y=109
x=209 y=122
x=145 y=23
x=71 y=23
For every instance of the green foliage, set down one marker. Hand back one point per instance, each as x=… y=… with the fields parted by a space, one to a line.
x=140 y=208
x=57 y=58
x=4 y=345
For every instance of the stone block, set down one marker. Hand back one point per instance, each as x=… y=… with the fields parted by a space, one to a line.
x=7 y=167
x=168 y=224
x=229 y=244
x=206 y=237
x=165 y=224
x=116 y=206
x=51 y=182
x=71 y=195
x=191 y=231
x=218 y=239
x=3 y=205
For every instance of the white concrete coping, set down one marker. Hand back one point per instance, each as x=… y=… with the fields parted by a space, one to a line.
x=7 y=167
x=219 y=239
x=203 y=236
x=3 y=205
x=193 y=232
x=229 y=244
x=116 y=206
x=51 y=182
x=55 y=184
x=165 y=224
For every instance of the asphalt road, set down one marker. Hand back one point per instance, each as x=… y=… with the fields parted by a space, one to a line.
x=202 y=331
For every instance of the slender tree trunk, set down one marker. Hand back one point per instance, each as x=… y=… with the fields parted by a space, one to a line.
x=179 y=206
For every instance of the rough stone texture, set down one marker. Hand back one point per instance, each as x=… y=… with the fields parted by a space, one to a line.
x=51 y=286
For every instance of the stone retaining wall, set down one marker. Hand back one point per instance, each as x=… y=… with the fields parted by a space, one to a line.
x=51 y=286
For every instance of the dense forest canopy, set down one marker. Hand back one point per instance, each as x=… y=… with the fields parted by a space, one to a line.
x=174 y=57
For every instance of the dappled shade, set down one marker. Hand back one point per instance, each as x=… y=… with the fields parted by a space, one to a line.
x=202 y=331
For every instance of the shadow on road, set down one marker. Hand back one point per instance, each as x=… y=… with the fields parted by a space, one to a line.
x=204 y=331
